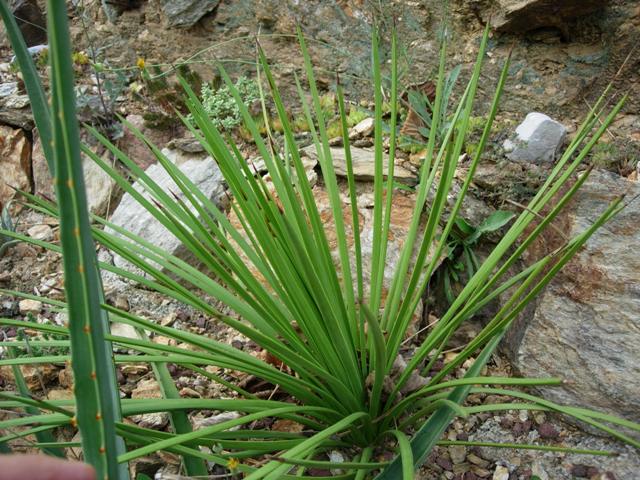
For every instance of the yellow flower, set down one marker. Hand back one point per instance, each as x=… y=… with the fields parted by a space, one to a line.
x=140 y=63
x=233 y=464
x=80 y=58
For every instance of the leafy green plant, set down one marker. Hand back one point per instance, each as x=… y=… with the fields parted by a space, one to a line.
x=422 y=106
x=332 y=340
x=460 y=258
x=221 y=106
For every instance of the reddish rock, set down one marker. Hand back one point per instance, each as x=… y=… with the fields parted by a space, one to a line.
x=137 y=150
x=15 y=163
x=548 y=431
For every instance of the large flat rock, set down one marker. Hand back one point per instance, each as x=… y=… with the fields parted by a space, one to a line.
x=363 y=164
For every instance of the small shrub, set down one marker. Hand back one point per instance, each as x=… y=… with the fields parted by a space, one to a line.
x=220 y=105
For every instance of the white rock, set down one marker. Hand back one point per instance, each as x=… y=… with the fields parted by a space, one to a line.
x=99 y=187
x=362 y=129
x=156 y=420
x=41 y=232
x=538 y=139
x=27 y=306
x=129 y=214
x=123 y=330
x=16 y=101
x=501 y=473
x=538 y=470
x=8 y=88
x=215 y=420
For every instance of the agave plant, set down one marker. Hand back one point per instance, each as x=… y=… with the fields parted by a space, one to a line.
x=333 y=342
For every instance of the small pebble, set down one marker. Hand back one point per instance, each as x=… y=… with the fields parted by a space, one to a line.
x=444 y=463
x=605 y=476
x=521 y=428
x=547 y=431
x=500 y=473
x=458 y=453
x=121 y=303
x=476 y=460
x=579 y=471
x=480 y=472
x=41 y=232
x=27 y=306
x=189 y=392
x=168 y=319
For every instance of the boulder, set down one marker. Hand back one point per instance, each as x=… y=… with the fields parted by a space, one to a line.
x=15 y=163
x=129 y=214
x=31 y=21
x=186 y=13
x=524 y=15
x=537 y=139
x=99 y=185
x=585 y=326
x=363 y=164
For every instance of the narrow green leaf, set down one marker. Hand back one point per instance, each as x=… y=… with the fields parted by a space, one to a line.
x=95 y=383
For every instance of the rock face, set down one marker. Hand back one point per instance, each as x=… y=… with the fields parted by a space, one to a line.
x=15 y=152
x=538 y=138
x=521 y=16
x=186 y=13
x=586 y=327
x=203 y=172
x=363 y=164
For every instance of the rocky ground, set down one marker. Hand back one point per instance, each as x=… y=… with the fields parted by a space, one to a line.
x=584 y=326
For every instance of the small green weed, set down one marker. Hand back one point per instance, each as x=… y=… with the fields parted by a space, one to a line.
x=620 y=156
x=461 y=261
